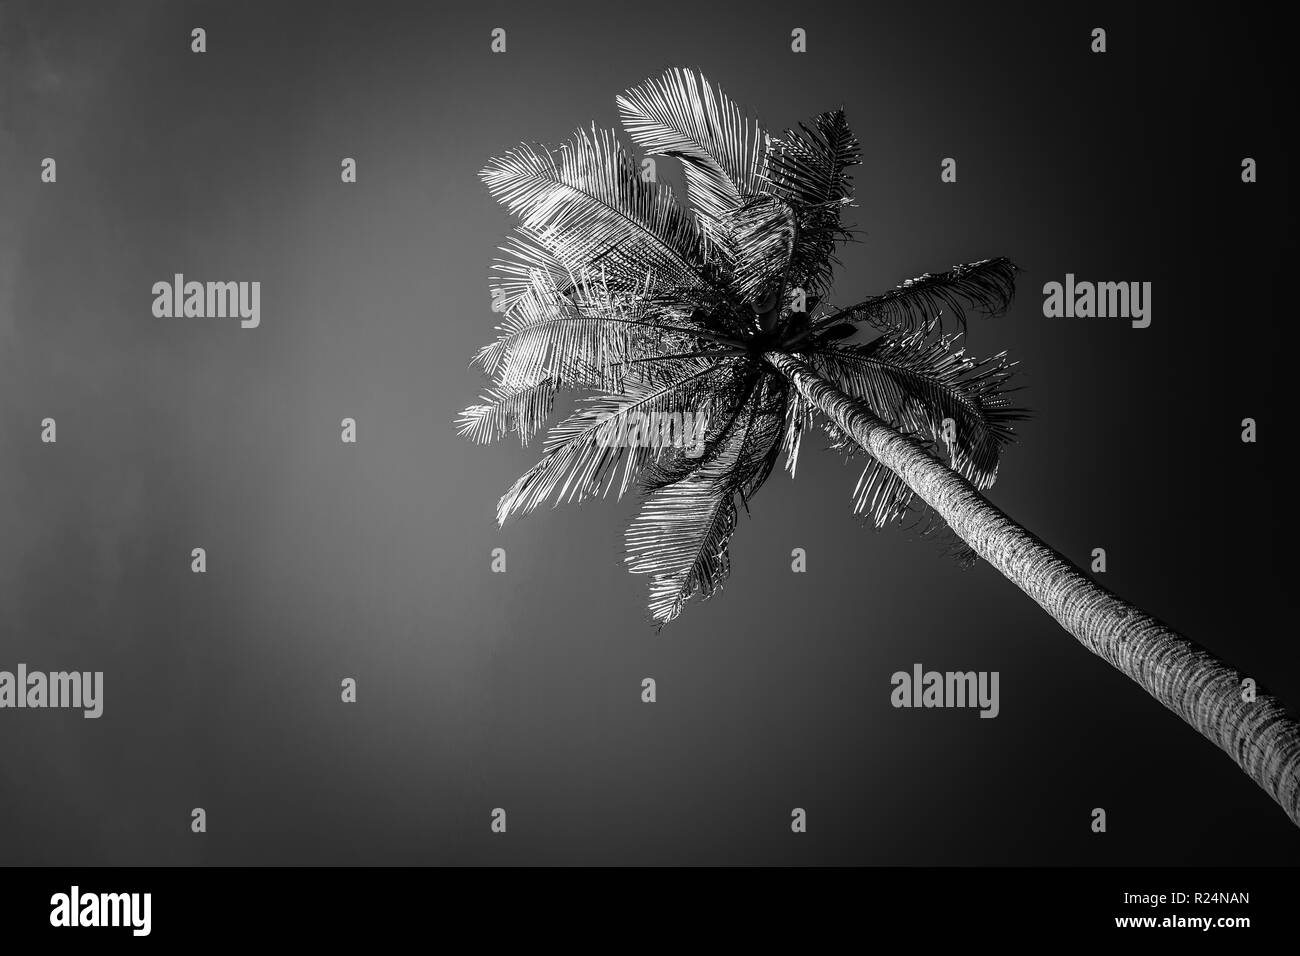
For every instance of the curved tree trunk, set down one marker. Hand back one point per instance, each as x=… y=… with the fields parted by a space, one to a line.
x=1259 y=735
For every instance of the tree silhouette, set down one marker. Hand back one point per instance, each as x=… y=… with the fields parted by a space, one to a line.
x=651 y=312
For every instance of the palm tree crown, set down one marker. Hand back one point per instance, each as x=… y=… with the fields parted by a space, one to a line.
x=611 y=288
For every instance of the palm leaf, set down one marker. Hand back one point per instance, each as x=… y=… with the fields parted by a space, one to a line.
x=938 y=300
x=680 y=114
x=681 y=533
x=585 y=202
x=918 y=388
x=763 y=235
x=809 y=169
x=680 y=537
x=581 y=454
x=882 y=497
x=522 y=410
x=527 y=262
x=677 y=464
x=585 y=336
x=798 y=420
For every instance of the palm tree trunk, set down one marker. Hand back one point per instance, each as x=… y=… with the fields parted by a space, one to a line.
x=1258 y=734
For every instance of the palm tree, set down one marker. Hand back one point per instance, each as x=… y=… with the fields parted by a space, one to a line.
x=612 y=290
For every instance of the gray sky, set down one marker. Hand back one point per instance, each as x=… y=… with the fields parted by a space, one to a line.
x=522 y=690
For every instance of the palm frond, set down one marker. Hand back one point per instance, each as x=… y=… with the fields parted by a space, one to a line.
x=680 y=537
x=765 y=438
x=798 y=420
x=953 y=404
x=678 y=464
x=582 y=453
x=934 y=392
x=587 y=204
x=880 y=494
x=587 y=335
x=527 y=263
x=763 y=233
x=681 y=533
x=680 y=114
x=522 y=410
x=808 y=168
x=938 y=301
x=883 y=497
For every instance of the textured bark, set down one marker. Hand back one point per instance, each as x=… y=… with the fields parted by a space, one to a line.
x=1261 y=736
